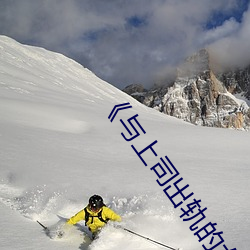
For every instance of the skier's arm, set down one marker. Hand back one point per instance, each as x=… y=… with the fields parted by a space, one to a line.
x=77 y=217
x=110 y=214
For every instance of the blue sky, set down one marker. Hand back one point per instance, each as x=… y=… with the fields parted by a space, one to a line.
x=131 y=41
x=218 y=17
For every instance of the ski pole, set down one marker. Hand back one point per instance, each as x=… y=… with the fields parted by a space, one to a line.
x=45 y=228
x=148 y=239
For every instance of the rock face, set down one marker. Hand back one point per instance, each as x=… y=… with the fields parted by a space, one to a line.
x=237 y=81
x=137 y=91
x=201 y=97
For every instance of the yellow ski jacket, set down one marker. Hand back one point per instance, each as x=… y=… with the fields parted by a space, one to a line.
x=94 y=223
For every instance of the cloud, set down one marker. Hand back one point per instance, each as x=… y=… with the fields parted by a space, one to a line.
x=233 y=48
x=126 y=42
x=228 y=28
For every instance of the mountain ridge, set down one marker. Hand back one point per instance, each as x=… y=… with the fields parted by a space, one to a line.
x=201 y=95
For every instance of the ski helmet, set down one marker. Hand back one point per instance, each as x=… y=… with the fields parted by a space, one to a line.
x=96 y=202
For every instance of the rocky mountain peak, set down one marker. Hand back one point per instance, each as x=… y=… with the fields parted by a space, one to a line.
x=200 y=96
x=196 y=64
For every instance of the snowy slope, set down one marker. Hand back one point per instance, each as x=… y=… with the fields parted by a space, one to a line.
x=58 y=147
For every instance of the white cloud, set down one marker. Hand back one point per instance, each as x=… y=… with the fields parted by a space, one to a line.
x=228 y=28
x=233 y=49
x=97 y=32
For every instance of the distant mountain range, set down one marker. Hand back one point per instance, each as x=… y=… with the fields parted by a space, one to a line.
x=202 y=94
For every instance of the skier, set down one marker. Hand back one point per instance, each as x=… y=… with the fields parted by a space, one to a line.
x=95 y=214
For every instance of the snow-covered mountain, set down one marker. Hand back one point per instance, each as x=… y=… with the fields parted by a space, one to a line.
x=237 y=81
x=202 y=95
x=58 y=147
